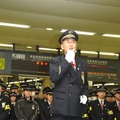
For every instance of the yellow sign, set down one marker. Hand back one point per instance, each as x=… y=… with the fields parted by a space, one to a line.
x=2 y=63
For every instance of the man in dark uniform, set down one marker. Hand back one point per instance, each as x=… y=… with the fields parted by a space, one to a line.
x=13 y=97
x=45 y=106
x=27 y=109
x=4 y=104
x=22 y=86
x=100 y=109
x=14 y=88
x=116 y=105
x=69 y=74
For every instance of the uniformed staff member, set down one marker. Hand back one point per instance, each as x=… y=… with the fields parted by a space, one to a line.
x=116 y=105
x=22 y=86
x=12 y=97
x=14 y=88
x=4 y=104
x=100 y=109
x=45 y=106
x=27 y=109
x=69 y=74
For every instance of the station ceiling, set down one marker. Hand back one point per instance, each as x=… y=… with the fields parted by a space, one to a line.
x=99 y=16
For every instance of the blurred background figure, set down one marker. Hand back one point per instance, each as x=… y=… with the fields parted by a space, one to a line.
x=116 y=104
x=27 y=108
x=4 y=103
x=13 y=98
x=14 y=88
x=22 y=86
x=109 y=96
x=92 y=96
x=44 y=94
x=100 y=109
x=45 y=105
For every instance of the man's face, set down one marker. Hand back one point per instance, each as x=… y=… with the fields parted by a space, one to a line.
x=50 y=97
x=14 y=90
x=117 y=95
x=69 y=44
x=27 y=93
x=101 y=94
x=0 y=88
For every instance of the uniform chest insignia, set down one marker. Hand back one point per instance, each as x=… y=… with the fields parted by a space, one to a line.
x=33 y=107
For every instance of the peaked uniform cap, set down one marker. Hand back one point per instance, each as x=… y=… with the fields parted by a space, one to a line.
x=50 y=91
x=3 y=84
x=68 y=34
x=28 y=87
x=12 y=94
x=117 y=91
x=45 y=89
x=109 y=94
x=23 y=84
x=14 y=86
x=101 y=88
x=92 y=93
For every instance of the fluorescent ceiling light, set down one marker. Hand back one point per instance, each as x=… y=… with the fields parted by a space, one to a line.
x=80 y=32
x=49 y=28
x=89 y=52
x=107 y=53
x=14 y=25
x=107 y=84
x=49 y=49
x=111 y=35
x=6 y=45
x=29 y=47
x=97 y=84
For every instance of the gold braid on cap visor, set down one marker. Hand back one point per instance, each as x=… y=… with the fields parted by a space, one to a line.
x=68 y=36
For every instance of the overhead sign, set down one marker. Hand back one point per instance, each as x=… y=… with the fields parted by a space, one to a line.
x=5 y=63
x=2 y=63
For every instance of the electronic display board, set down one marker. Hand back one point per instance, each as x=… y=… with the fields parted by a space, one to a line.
x=102 y=69
x=38 y=64
x=30 y=63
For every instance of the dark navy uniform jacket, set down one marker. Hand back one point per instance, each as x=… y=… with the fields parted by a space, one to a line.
x=96 y=113
x=4 y=107
x=116 y=111
x=44 y=110
x=69 y=85
x=26 y=109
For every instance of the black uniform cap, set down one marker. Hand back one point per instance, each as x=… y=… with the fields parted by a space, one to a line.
x=12 y=94
x=5 y=93
x=45 y=89
x=101 y=88
x=23 y=84
x=109 y=94
x=2 y=84
x=92 y=93
x=68 y=34
x=117 y=91
x=28 y=87
x=50 y=91
x=37 y=91
x=13 y=86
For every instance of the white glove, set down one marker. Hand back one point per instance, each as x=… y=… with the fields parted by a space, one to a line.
x=83 y=99
x=70 y=56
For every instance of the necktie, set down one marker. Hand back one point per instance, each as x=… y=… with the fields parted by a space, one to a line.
x=101 y=104
x=119 y=106
x=73 y=65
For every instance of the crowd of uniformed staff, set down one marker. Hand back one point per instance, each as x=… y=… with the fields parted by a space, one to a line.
x=24 y=103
